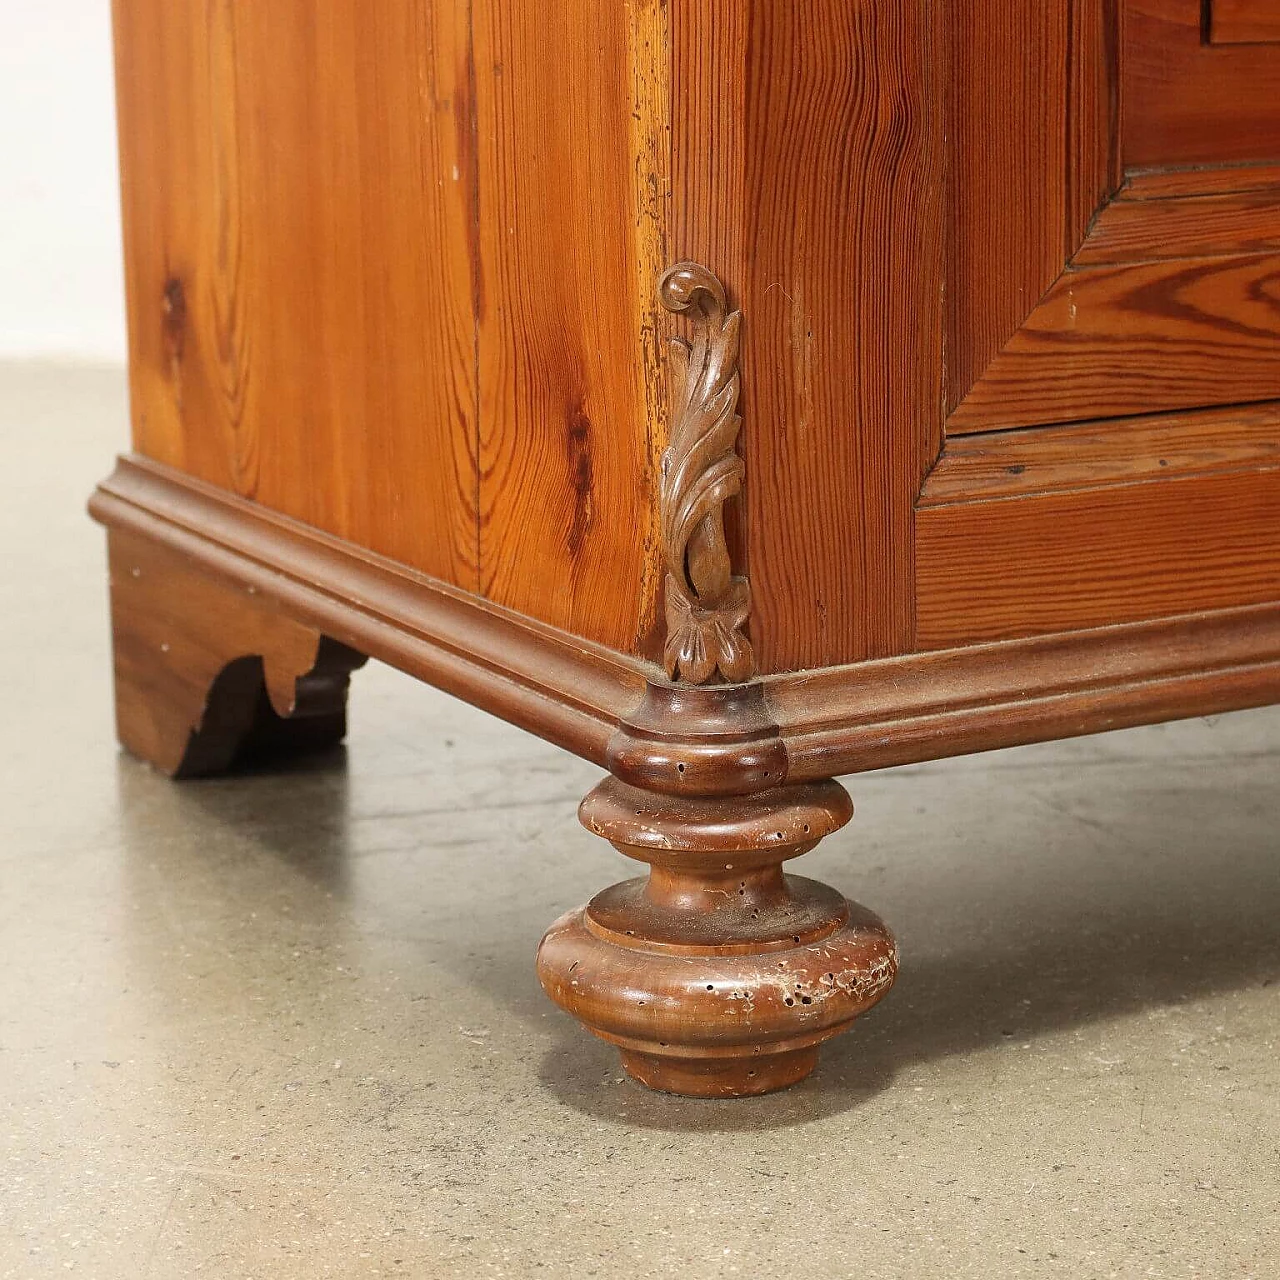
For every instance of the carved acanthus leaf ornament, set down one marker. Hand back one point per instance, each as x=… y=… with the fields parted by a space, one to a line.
x=706 y=606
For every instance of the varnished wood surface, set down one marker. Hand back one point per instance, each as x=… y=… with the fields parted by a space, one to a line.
x=1187 y=102
x=388 y=277
x=1136 y=338
x=924 y=706
x=1133 y=230
x=299 y=291
x=566 y=261
x=805 y=172
x=1218 y=179
x=718 y=976
x=1244 y=21
x=1059 y=560
x=1093 y=454
x=1035 y=333
x=492 y=414
x=718 y=740
x=1008 y=181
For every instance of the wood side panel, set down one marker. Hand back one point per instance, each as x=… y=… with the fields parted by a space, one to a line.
x=806 y=173
x=1187 y=102
x=1059 y=561
x=568 y=264
x=1114 y=340
x=1008 y=164
x=299 y=303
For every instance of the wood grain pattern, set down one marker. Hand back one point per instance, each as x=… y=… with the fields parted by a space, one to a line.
x=299 y=317
x=1092 y=557
x=1190 y=227
x=1095 y=454
x=389 y=277
x=1093 y=114
x=1187 y=102
x=1074 y=343
x=805 y=167
x=1244 y=21
x=568 y=523
x=1110 y=341
x=1008 y=196
x=1213 y=180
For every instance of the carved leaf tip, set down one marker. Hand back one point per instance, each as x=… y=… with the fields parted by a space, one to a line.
x=707 y=606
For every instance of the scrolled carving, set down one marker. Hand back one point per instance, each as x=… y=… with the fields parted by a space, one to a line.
x=706 y=606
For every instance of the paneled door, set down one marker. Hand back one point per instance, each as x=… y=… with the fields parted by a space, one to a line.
x=1111 y=381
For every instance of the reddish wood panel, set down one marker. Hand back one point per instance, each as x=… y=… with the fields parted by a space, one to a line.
x=1093 y=114
x=1114 y=340
x=806 y=168
x=1188 y=102
x=1244 y=21
x=1163 y=184
x=1056 y=561
x=1093 y=454
x=1134 y=230
x=1007 y=195
x=299 y=301
x=566 y=311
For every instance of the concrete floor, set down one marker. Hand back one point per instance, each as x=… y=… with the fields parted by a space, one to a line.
x=289 y=1025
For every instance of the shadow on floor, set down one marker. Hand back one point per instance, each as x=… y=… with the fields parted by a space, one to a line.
x=981 y=968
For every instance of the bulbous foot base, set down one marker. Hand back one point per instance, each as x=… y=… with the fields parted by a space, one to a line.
x=718 y=976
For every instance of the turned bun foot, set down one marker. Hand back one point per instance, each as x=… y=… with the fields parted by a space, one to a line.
x=718 y=975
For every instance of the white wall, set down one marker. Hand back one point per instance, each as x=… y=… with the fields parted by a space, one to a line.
x=61 y=286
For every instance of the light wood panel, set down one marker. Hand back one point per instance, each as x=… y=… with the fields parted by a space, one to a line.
x=391 y=274
x=570 y=259
x=299 y=322
x=806 y=173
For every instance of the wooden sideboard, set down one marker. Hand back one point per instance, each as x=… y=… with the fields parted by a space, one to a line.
x=738 y=393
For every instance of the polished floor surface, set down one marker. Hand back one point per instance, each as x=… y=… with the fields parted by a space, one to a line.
x=288 y=1025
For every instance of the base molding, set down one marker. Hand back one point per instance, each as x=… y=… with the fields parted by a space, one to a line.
x=619 y=711
x=208 y=676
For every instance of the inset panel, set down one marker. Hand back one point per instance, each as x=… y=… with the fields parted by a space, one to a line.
x=1244 y=21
